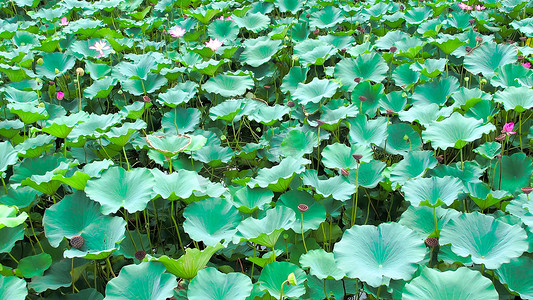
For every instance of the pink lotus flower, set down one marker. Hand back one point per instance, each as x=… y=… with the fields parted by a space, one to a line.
x=479 y=7
x=100 y=46
x=508 y=128
x=177 y=32
x=227 y=19
x=213 y=44
x=64 y=21
x=464 y=6
x=527 y=64
x=60 y=95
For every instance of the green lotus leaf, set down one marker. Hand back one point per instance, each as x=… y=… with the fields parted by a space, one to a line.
x=483 y=110
x=340 y=156
x=470 y=172
x=455 y=131
x=515 y=172
x=28 y=112
x=367 y=132
x=211 y=221
x=313 y=52
x=139 y=87
x=487 y=240
x=517 y=275
x=228 y=85
x=367 y=175
x=275 y=273
x=414 y=164
x=431 y=68
x=462 y=283
x=488 y=57
x=466 y=98
x=267 y=230
x=254 y=22
x=291 y=81
x=332 y=115
x=369 y=67
x=337 y=187
x=8 y=157
x=100 y=88
x=79 y=178
x=425 y=114
x=9 y=128
x=181 y=93
x=135 y=110
x=421 y=219
x=61 y=127
x=9 y=217
x=372 y=96
x=86 y=294
x=288 y=5
x=396 y=142
x=448 y=44
x=95 y=126
x=188 y=265
x=20 y=197
x=248 y=200
x=169 y=145
x=52 y=62
x=410 y=47
x=404 y=76
x=223 y=30
x=519 y=208
x=315 y=91
x=18 y=96
x=268 y=115
x=209 y=67
x=97 y=71
x=297 y=143
x=312 y=218
x=512 y=75
x=138 y=70
x=120 y=136
x=432 y=192
x=488 y=150
x=77 y=215
x=211 y=284
x=146 y=280
x=177 y=185
x=12 y=288
x=34 y=265
x=118 y=188
x=519 y=99
x=9 y=236
x=228 y=110
x=483 y=196
x=321 y=264
x=214 y=155
x=278 y=178
x=58 y=275
x=38 y=173
x=33 y=147
x=259 y=51
x=326 y=17
x=181 y=120
x=376 y=255
x=436 y=91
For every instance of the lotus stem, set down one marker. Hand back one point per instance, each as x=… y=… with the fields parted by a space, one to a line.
x=325 y=291
x=3 y=182
x=302 y=230
x=34 y=235
x=125 y=156
x=436 y=222
x=13 y=258
x=355 y=199
x=79 y=91
x=65 y=144
x=109 y=267
x=129 y=233
x=175 y=224
x=520 y=130
x=170 y=165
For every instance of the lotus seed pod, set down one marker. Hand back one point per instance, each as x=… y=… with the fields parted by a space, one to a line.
x=357 y=79
x=440 y=159
x=523 y=38
x=295 y=58
x=389 y=111
x=344 y=172
x=432 y=242
x=308 y=16
x=393 y=49
x=479 y=39
x=290 y=103
x=317 y=31
x=56 y=70
x=520 y=57
x=140 y=255
x=468 y=48
x=41 y=105
x=527 y=190
x=320 y=122
x=80 y=72
x=467 y=79
x=483 y=81
x=292 y=279
x=222 y=137
x=303 y=207
x=357 y=157
x=40 y=61
x=77 y=242
x=146 y=99
x=362 y=98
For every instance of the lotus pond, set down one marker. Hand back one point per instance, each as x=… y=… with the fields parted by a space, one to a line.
x=283 y=149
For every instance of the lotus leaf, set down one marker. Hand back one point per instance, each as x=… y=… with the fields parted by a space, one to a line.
x=211 y=284
x=274 y=274
x=432 y=191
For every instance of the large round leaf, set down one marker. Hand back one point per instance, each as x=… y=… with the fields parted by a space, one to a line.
x=297 y=143
x=228 y=85
x=267 y=230
x=376 y=255
x=340 y=156
x=455 y=131
x=487 y=240
x=9 y=236
x=8 y=156
x=315 y=91
x=421 y=219
x=259 y=51
x=321 y=264
x=515 y=172
x=211 y=220
x=145 y=281
x=337 y=187
x=370 y=66
x=54 y=65
x=488 y=57
x=9 y=217
x=248 y=200
x=312 y=218
x=211 y=284
x=518 y=276
x=12 y=288
x=77 y=215
x=432 y=191
x=515 y=98
x=279 y=177
x=366 y=132
x=169 y=145
x=436 y=91
x=120 y=188
x=462 y=283
x=372 y=96
x=414 y=164
x=396 y=142
x=274 y=274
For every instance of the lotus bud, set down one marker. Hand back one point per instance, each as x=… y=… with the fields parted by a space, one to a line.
x=479 y=39
x=483 y=81
x=56 y=70
x=468 y=49
x=291 y=279
x=472 y=21
x=40 y=105
x=357 y=157
x=344 y=172
x=510 y=42
x=60 y=95
x=222 y=137
x=267 y=87
x=389 y=111
x=140 y=255
x=146 y=99
x=120 y=92
x=432 y=242
x=362 y=98
x=295 y=58
x=258 y=129
x=523 y=38
x=286 y=39
x=319 y=122
x=527 y=190
x=440 y=159
x=77 y=242
x=343 y=50
x=393 y=49
x=317 y=31
x=520 y=57
x=366 y=38
x=357 y=79
x=80 y=71
x=498 y=156
x=466 y=79
x=40 y=61
x=303 y=207
x=501 y=137
x=450 y=16
x=50 y=82
x=308 y=16
x=290 y=103
x=404 y=94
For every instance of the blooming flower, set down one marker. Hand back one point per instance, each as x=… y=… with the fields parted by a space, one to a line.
x=64 y=21
x=213 y=44
x=100 y=46
x=527 y=65
x=177 y=32
x=464 y=6
x=227 y=19
x=508 y=128
x=60 y=95
x=479 y=7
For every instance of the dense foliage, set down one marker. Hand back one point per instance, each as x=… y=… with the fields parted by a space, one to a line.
x=287 y=149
